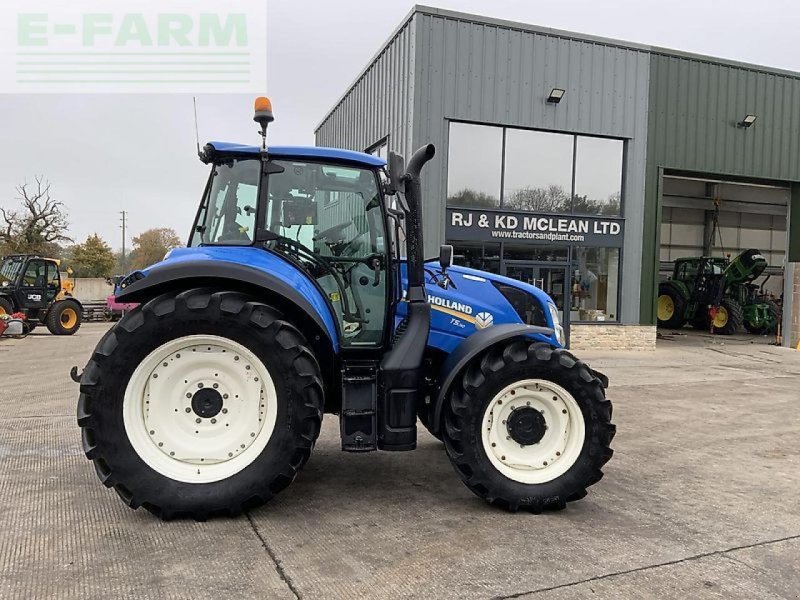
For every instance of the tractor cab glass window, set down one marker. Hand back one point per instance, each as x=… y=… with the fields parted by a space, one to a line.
x=228 y=214
x=9 y=271
x=53 y=281
x=35 y=275
x=330 y=218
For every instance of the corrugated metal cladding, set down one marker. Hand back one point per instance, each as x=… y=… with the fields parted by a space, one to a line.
x=694 y=108
x=379 y=103
x=476 y=69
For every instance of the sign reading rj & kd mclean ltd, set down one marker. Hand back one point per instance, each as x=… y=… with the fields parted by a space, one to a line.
x=467 y=224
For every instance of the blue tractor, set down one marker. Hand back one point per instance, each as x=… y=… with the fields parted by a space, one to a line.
x=292 y=300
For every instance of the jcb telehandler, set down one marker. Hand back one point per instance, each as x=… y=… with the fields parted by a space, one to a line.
x=32 y=285
x=293 y=300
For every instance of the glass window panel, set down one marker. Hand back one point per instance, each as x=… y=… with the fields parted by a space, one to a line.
x=534 y=253
x=598 y=176
x=595 y=283
x=474 y=165
x=538 y=171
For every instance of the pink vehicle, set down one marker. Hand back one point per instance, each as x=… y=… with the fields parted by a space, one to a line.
x=117 y=310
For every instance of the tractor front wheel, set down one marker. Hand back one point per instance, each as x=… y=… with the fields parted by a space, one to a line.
x=64 y=317
x=200 y=404
x=528 y=427
x=768 y=327
x=671 y=307
x=729 y=318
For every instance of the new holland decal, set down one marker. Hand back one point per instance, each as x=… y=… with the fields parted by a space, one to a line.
x=461 y=311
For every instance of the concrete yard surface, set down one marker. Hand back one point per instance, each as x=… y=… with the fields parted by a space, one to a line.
x=700 y=500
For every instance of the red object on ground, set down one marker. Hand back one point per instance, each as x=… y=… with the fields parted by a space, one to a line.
x=3 y=326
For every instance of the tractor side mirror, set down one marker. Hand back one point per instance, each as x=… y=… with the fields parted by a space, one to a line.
x=397 y=168
x=445 y=257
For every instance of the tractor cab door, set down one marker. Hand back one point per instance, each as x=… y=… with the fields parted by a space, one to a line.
x=331 y=218
x=32 y=291
x=53 y=283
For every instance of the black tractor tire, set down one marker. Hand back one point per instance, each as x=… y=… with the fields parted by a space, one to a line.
x=735 y=320
x=467 y=405
x=775 y=317
x=64 y=317
x=258 y=327
x=6 y=308
x=677 y=318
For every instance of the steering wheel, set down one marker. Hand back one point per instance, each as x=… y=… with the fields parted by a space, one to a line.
x=326 y=234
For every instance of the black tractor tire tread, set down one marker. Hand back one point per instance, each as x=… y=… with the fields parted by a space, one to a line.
x=53 y=318
x=6 y=305
x=302 y=374
x=678 y=319
x=735 y=318
x=466 y=405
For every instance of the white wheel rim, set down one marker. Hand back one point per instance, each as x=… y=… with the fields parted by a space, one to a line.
x=183 y=444
x=559 y=447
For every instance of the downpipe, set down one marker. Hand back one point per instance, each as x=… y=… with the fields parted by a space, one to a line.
x=401 y=369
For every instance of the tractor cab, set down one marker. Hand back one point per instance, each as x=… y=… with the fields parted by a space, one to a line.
x=32 y=285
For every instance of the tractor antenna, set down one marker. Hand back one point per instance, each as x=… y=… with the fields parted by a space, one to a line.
x=196 y=128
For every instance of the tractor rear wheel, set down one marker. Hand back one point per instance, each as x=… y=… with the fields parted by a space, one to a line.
x=671 y=307
x=528 y=427
x=6 y=308
x=200 y=404
x=729 y=318
x=64 y=317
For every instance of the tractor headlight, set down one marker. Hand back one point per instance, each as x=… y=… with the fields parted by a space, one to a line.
x=557 y=324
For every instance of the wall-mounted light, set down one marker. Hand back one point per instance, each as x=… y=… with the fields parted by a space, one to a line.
x=747 y=121
x=556 y=94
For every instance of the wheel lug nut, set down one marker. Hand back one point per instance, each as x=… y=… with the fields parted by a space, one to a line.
x=188 y=410
x=527 y=404
x=564 y=411
x=199 y=385
x=225 y=396
x=198 y=420
x=224 y=411
x=213 y=421
x=493 y=444
x=216 y=385
x=188 y=395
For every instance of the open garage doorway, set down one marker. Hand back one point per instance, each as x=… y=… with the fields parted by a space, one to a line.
x=722 y=260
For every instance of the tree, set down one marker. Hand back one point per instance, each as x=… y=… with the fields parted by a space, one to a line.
x=38 y=226
x=471 y=199
x=93 y=258
x=552 y=198
x=151 y=246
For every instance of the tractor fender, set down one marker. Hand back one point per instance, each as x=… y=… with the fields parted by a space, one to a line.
x=171 y=275
x=471 y=347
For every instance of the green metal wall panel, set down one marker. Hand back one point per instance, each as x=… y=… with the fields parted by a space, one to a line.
x=694 y=109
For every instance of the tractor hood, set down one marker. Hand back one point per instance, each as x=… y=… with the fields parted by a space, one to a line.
x=474 y=300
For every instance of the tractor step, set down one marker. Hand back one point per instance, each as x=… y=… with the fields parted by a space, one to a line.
x=359 y=416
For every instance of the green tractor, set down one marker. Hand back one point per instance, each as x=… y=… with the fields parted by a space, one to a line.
x=717 y=294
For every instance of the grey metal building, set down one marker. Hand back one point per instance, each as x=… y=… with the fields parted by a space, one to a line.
x=581 y=164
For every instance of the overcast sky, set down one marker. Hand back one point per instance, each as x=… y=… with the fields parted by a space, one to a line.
x=107 y=153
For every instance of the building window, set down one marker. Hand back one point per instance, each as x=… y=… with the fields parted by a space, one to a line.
x=598 y=176
x=538 y=171
x=595 y=284
x=381 y=149
x=474 y=165
x=484 y=257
